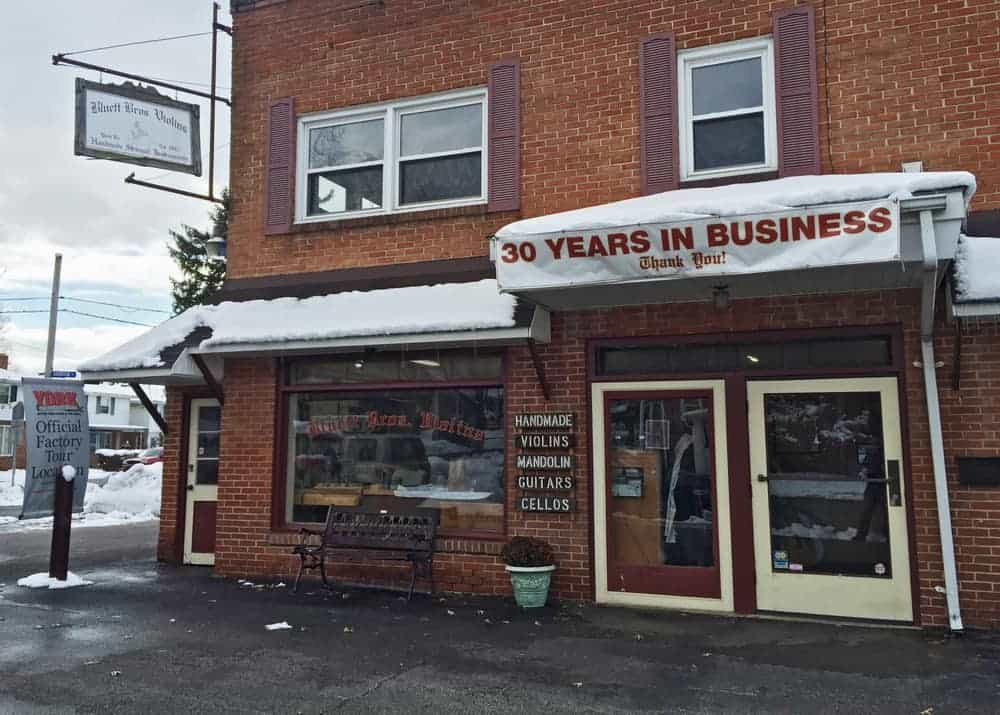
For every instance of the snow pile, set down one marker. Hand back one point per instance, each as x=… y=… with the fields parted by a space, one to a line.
x=12 y=494
x=392 y=311
x=43 y=580
x=977 y=269
x=133 y=495
x=736 y=199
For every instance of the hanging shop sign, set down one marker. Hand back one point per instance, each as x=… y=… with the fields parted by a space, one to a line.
x=57 y=433
x=545 y=478
x=813 y=237
x=137 y=125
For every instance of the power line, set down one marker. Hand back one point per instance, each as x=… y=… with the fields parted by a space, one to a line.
x=104 y=317
x=134 y=308
x=77 y=312
x=139 y=42
x=115 y=305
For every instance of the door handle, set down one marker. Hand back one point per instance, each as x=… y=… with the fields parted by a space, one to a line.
x=190 y=487
x=761 y=477
x=895 y=489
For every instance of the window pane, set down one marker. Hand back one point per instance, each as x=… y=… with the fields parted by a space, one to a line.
x=346 y=144
x=660 y=456
x=441 y=130
x=347 y=190
x=800 y=355
x=424 y=366
x=732 y=141
x=451 y=177
x=826 y=490
x=398 y=449
x=726 y=86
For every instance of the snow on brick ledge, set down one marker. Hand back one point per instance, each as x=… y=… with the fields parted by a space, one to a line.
x=393 y=311
x=977 y=269
x=738 y=199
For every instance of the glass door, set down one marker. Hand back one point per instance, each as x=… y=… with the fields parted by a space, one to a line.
x=202 y=482
x=660 y=491
x=828 y=503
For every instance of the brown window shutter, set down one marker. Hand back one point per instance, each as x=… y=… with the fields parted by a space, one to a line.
x=796 y=91
x=658 y=112
x=280 y=167
x=504 y=134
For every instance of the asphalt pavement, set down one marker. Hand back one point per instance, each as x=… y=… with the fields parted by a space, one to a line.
x=148 y=638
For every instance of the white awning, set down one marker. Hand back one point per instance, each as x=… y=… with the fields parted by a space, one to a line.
x=786 y=236
x=443 y=315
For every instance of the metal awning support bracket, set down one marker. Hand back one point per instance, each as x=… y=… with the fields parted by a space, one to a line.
x=159 y=419
x=539 y=369
x=210 y=380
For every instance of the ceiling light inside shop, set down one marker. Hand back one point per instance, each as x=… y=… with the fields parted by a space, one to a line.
x=753 y=358
x=359 y=364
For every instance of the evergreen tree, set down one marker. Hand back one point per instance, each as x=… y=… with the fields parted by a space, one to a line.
x=201 y=276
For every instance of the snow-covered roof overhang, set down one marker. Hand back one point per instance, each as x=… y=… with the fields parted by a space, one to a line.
x=442 y=315
x=976 y=278
x=786 y=236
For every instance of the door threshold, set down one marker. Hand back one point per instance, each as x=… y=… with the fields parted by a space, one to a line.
x=830 y=620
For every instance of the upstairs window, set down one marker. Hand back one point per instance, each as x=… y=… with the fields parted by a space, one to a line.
x=105 y=405
x=394 y=157
x=727 y=110
x=8 y=394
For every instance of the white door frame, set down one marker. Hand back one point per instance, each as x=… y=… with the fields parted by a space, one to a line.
x=821 y=594
x=599 y=465
x=196 y=492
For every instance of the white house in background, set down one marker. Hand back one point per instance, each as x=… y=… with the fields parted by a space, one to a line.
x=118 y=419
x=9 y=387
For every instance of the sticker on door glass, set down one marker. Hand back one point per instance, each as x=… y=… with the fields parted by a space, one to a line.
x=880 y=569
x=794 y=567
x=781 y=559
x=201 y=451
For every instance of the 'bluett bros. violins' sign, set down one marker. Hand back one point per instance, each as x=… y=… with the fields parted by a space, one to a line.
x=544 y=463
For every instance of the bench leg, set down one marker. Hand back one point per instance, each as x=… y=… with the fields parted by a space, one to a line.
x=298 y=576
x=322 y=570
x=413 y=579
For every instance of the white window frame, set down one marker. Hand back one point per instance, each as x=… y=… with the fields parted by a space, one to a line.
x=687 y=62
x=6 y=441
x=391 y=114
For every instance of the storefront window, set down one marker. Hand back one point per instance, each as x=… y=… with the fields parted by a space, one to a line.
x=396 y=448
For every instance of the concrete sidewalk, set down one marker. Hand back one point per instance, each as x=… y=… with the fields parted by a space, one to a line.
x=153 y=639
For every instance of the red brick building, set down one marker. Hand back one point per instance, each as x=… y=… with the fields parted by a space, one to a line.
x=744 y=439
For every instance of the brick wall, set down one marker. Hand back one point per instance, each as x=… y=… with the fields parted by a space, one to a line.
x=899 y=80
x=247 y=546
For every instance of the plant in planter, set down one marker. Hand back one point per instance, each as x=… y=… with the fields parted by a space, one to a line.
x=530 y=563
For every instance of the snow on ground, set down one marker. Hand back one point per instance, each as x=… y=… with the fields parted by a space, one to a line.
x=111 y=498
x=43 y=580
x=977 y=268
x=415 y=309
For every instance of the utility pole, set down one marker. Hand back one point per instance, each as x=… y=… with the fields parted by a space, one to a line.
x=50 y=349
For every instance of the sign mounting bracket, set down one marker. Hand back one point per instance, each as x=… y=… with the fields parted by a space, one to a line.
x=211 y=95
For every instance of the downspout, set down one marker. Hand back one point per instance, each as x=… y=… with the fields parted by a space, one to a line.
x=929 y=291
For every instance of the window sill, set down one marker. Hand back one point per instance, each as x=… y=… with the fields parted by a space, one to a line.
x=487 y=543
x=749 y=178
x=388 y=219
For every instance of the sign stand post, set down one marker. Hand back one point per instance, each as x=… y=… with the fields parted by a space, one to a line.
x=62 y=518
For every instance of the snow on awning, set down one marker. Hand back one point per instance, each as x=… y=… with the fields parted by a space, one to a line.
x=444 y=314
x=791 y=224
x=976 y=277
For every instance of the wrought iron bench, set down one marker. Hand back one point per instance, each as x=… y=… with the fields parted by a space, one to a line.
x=354 y=535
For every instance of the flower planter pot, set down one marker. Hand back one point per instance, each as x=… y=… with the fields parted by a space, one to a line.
x=531 y=584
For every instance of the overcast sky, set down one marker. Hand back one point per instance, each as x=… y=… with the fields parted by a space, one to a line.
x=112 y=235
